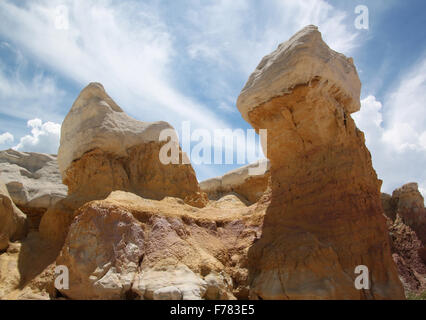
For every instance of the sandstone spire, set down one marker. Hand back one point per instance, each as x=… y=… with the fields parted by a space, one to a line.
x=325 y=217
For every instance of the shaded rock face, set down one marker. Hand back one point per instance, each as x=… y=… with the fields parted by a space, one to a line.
x=33 y=181
x=240 y=181
x=407 y=252
x=389 y=206
x=407 y=228
x=408 y=197
x=27 y=270
x=409 y=205
x=13 y=223
x=325 y=217
x=127 y=246
x=102 y=149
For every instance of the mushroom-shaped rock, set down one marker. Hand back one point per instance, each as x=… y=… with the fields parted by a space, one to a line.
x=325 y=217
x=303 y=59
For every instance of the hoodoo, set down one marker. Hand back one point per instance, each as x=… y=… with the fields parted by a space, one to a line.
x=325 y=216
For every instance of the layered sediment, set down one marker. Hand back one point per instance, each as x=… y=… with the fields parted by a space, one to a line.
x=325 y=216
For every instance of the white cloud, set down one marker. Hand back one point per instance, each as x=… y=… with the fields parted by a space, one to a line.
x=6 y=138
x=396 y=132
x=406 y=112
x=44 y=137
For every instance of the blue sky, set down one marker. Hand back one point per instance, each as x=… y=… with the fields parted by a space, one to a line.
x=188 y=60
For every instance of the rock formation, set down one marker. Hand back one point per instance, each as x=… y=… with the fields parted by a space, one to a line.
x=389 y=206
x=33 y=181
x=407 y=229
x=102 y=149
x=131 y=227
x=409 y=205
x=325 y=217
x=407 y=252
x=250 y=186
x=126 y=246
x=13 y=223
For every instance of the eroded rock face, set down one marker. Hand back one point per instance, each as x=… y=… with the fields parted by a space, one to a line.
x=242 y=181
x=408 y=196
x=127 y=246
x=407 y=228
x=407 y=252
x=389 y=206
x=102 y=149
x=325 y=217
x=407 y=203
x=13 y=223
x=103 y=250
x=410 y=207
x=33 y=181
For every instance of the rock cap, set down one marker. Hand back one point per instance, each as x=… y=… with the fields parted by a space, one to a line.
x=301 y=59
